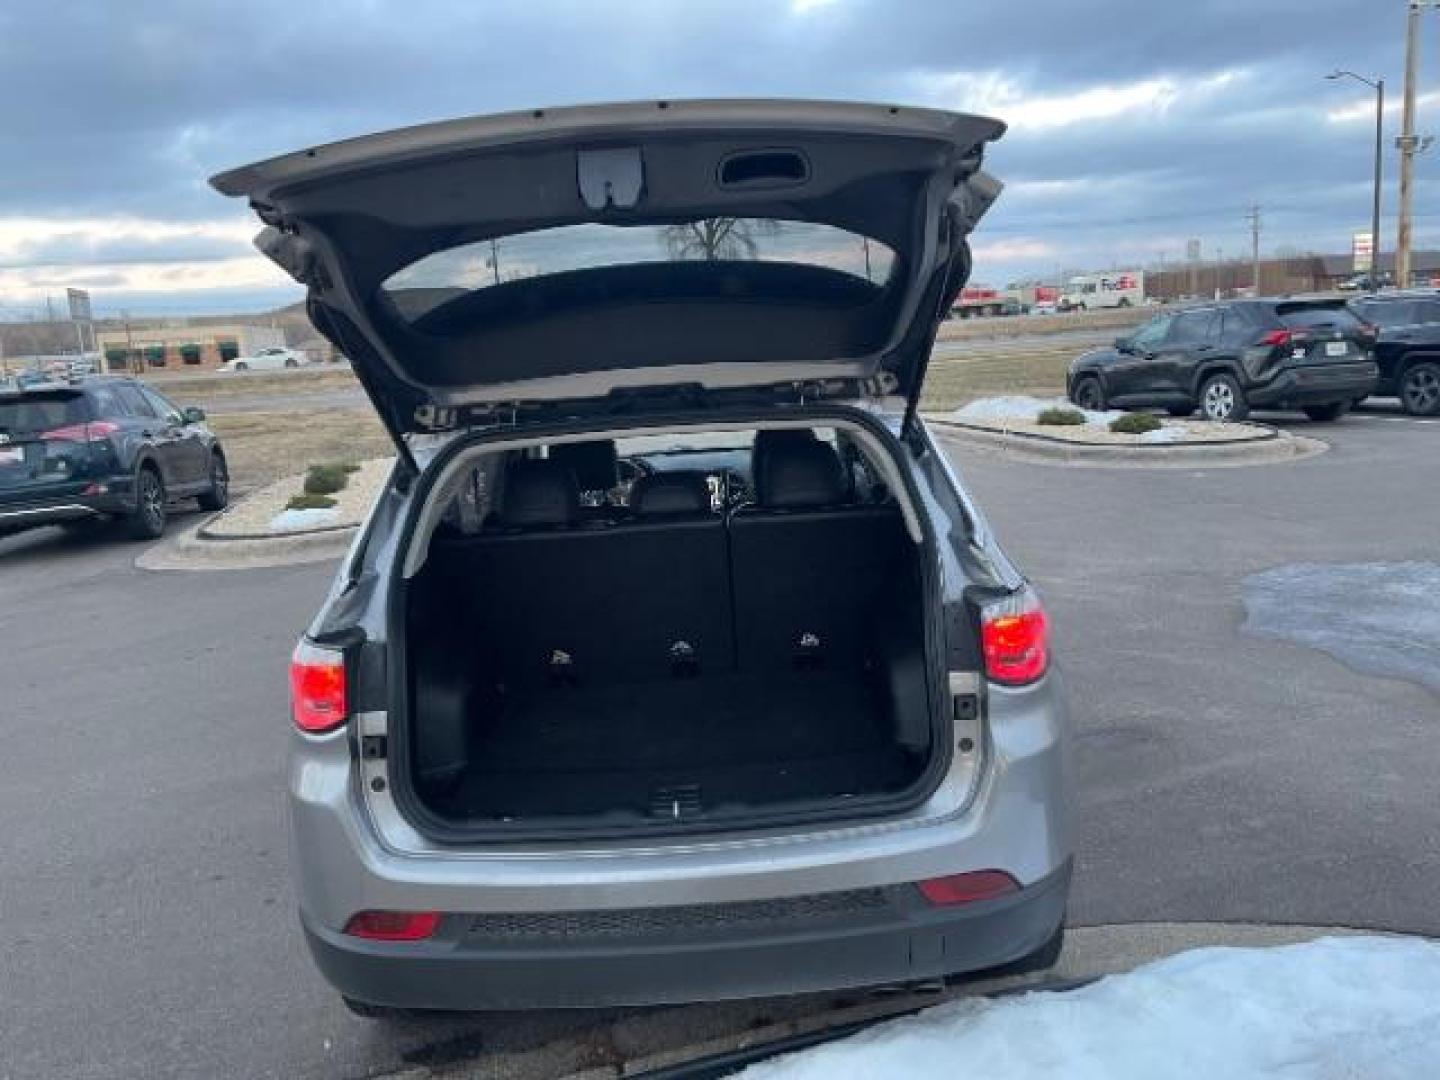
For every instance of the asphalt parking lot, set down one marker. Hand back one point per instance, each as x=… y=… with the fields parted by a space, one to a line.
x=1223 y=777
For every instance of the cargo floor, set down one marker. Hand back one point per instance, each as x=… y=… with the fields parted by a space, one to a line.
x=675 y=747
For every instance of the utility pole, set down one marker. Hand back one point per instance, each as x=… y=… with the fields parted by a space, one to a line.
x=129 y=341
x=1409 y=144
x=495 y=261
x=1254 y=216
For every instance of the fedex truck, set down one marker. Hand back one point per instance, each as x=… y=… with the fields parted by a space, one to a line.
x=1090 y=291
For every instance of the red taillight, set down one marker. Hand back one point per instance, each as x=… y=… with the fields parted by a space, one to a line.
x=968 y=888
x=393 y=925
x=317 y=688
x=94 y=431
x=1276 y=337
x=1014 y=639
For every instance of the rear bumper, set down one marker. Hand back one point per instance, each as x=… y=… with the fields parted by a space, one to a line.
x=61 y=508
x=1320 y=383
x=708 y=952
x=1018 y=822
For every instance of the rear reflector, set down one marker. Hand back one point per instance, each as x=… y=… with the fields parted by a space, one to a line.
x=317 y=688
x=968 y=888
x=1014 y=638
x=393 y=925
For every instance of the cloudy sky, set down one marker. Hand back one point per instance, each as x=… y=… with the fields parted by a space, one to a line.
x=1134 y=124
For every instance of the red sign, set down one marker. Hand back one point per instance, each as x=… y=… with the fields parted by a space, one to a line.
x=1047 y=294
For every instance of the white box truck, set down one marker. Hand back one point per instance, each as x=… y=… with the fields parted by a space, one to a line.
x=1086 y=292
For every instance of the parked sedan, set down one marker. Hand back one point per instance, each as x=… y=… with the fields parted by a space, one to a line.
x=1408 y=348
x=1227 y=357
x=272 y=359
x=107 y=447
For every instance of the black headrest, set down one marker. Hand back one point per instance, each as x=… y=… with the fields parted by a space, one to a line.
x=800 y=473
x=773 y=438
x=671 y=493
x=539 y=493
x=593 y=464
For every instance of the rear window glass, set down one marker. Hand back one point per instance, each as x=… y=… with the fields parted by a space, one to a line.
x=34 y=413
x=1398 y=313
x=1302 y=318
x=444 y=275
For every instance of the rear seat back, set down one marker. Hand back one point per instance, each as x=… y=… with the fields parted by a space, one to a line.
x=811 y=573
x=559 y=601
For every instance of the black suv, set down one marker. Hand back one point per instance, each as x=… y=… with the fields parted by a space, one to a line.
x=1227 y=357
x=103 y=447
x=1408 y=348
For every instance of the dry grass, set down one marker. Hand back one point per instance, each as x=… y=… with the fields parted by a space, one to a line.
x=198 y=389
x=265 y=446
x=1026 y=325
x=954 y=381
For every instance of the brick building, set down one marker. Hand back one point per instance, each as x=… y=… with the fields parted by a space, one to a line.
x=142 y=346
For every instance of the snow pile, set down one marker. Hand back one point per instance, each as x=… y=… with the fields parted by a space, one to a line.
x=1021 y=407
x=1338 y=1007
x=291 y=520
x=1167 y=434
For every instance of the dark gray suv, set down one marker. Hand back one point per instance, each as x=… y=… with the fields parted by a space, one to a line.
x=674 y=662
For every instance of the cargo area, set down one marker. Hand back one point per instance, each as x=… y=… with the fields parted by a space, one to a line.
x=739 y=639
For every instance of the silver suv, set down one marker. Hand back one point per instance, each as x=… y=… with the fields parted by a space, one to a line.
x=674 y=662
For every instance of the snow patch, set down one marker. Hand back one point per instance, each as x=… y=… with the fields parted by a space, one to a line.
x=1021 y=407
x=1336 y=1007
x=293 y=520
x=1168 y=434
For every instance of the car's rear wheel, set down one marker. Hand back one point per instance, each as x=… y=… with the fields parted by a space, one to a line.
x=147 y=520
x=1420 y=389
x=218 y=497
x=290 y=362
x=1331 y=410
x=1222 y=399
x=1089 y=394
x=242 y=367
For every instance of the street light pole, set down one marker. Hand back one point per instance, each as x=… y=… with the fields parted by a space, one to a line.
x=1378 y=85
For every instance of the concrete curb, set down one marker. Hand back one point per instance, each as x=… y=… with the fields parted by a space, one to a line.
x=1276 y=448
x=194 y=549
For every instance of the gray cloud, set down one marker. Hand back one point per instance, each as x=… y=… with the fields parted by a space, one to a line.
x=127 y=108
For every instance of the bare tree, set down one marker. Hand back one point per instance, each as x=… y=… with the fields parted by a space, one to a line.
x=713 y=239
